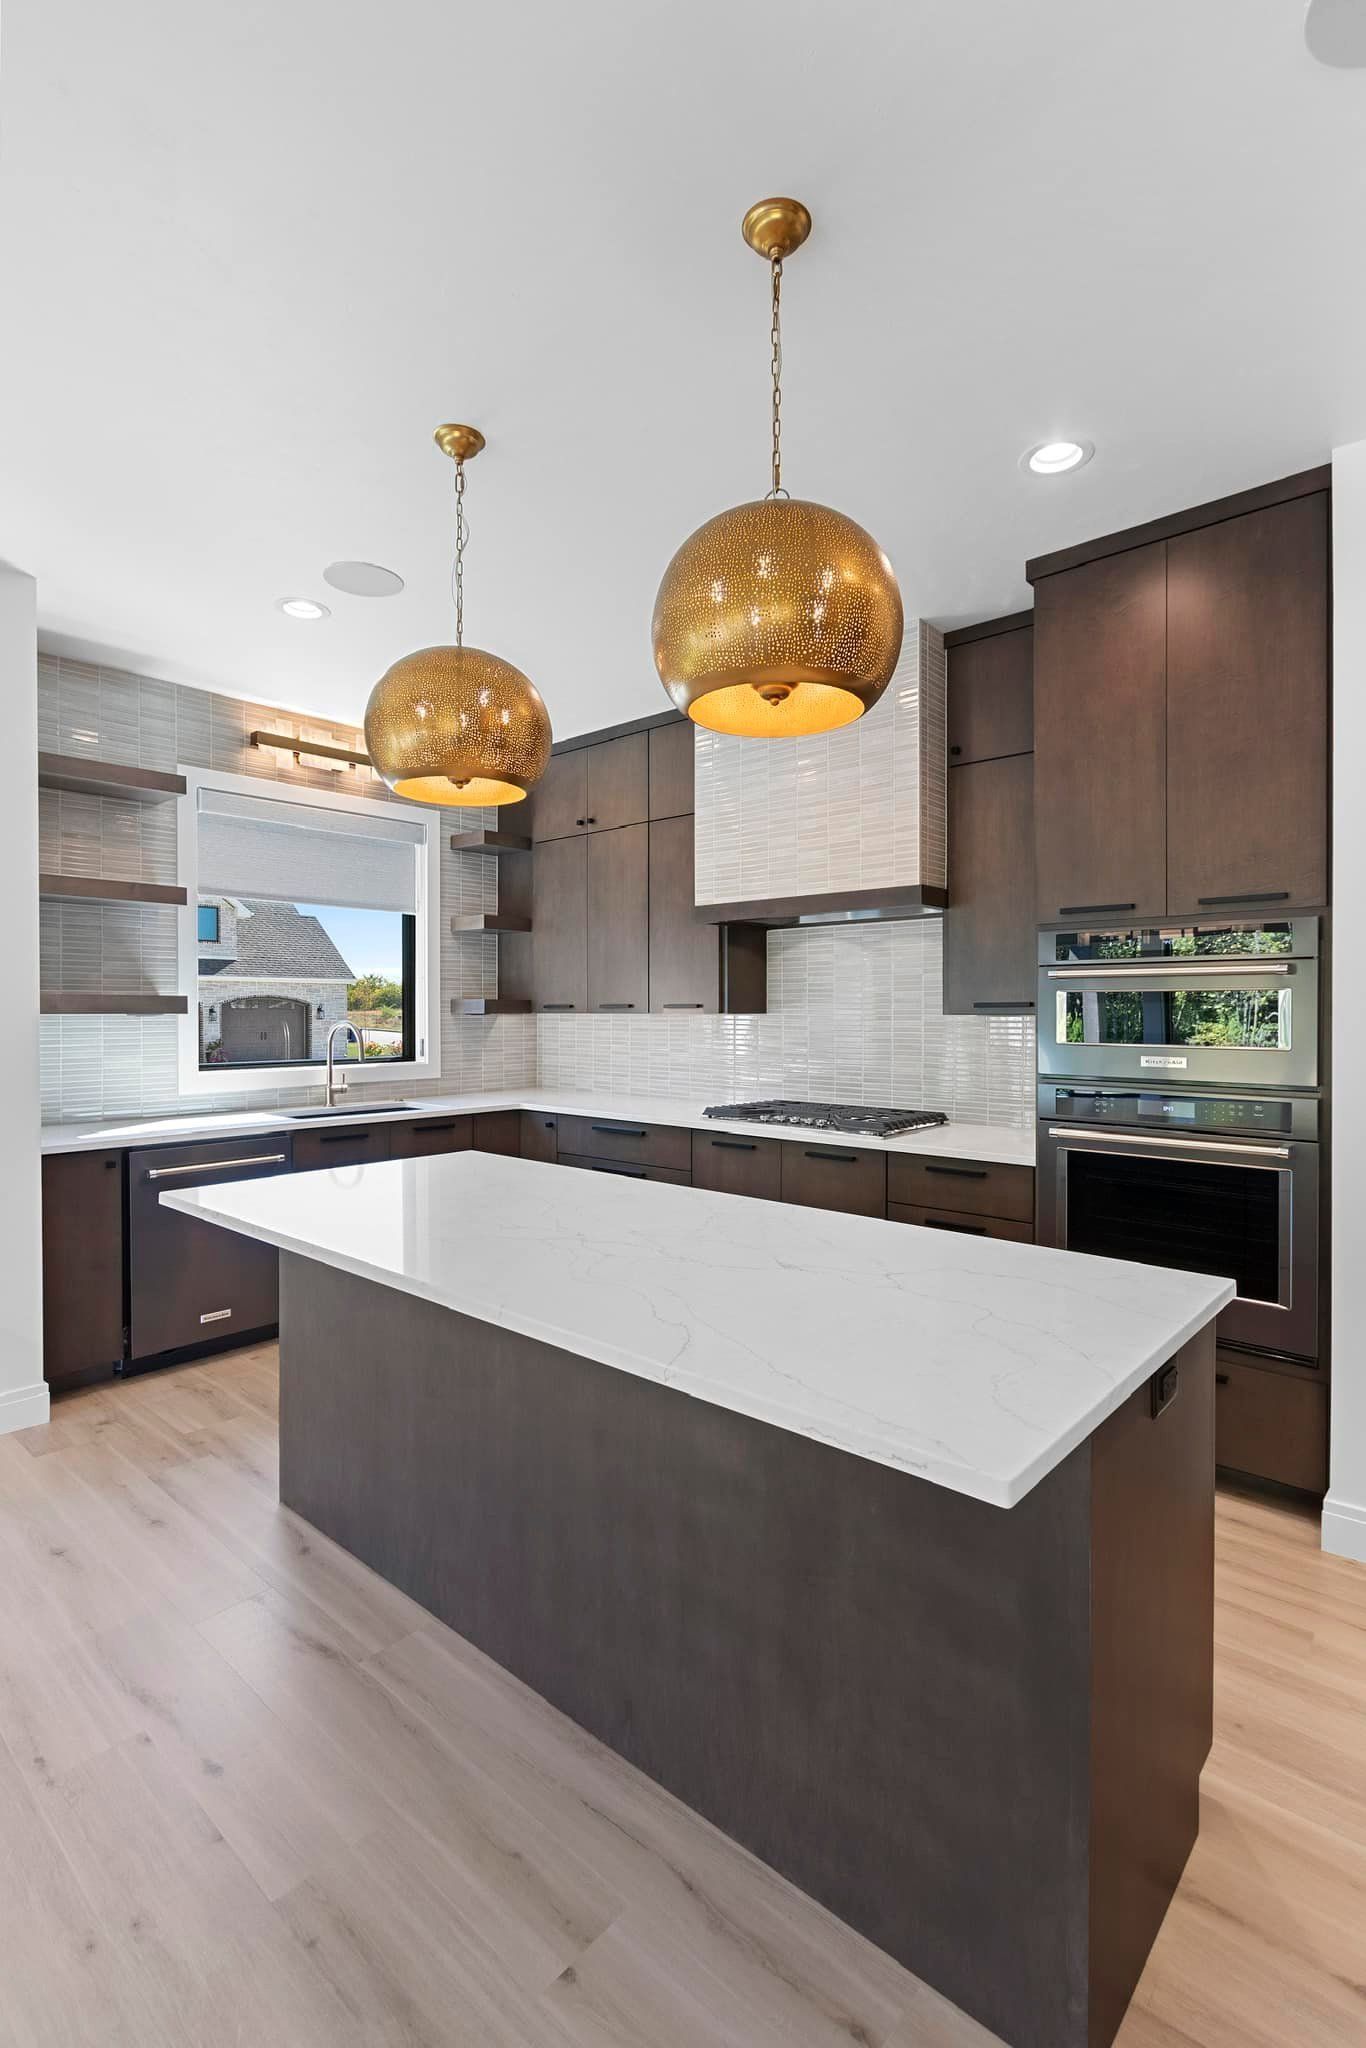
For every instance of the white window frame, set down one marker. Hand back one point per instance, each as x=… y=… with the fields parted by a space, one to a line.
x=195 y=1080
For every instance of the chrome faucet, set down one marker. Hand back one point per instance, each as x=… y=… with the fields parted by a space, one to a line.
x=335 y=1088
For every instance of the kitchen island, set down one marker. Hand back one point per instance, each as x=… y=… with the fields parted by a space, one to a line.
x=887 y=1550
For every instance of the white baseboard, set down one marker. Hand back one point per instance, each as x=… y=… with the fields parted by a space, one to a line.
x=1344 y=1528
x=22 y=1407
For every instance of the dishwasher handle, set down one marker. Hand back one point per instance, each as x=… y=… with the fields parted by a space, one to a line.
x=215 y=1165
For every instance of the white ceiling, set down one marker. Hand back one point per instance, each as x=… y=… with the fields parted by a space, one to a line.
x=251 y=255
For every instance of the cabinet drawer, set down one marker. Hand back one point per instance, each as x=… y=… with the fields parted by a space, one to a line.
x=1271 y=1424
x=831 y=1177
x=954 y=1219
x=971 y=1184
x=737 y=1166
x=635 y=1144
x=424 y=1135
x=539 y=1136
x=356 y=1145
x=624 y=1171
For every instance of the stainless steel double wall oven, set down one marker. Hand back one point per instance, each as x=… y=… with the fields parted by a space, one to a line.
x=1179 y=1110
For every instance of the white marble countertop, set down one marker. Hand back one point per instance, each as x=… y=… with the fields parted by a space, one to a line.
x=996 y=1144
x=971 y=1362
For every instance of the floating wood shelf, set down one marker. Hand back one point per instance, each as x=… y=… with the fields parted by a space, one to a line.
x=84 y=777
x=100 y=889
x=490 y=1006
x=491 y=921
x=289 y=743
x=489 y=842
x=61 y=1002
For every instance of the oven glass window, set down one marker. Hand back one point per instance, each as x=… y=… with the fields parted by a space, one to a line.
x=1252 y=1019
x=1192 y=942
x=1202 y=1218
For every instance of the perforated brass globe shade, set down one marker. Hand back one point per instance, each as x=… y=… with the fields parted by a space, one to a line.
x=453 y=725
x=777 y=618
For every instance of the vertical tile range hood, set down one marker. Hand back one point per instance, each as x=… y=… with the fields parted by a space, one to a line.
x=844 y=827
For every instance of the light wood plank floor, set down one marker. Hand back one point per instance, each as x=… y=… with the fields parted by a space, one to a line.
x=251 y=1795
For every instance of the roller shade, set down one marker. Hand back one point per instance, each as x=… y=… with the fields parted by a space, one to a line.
x=296 y=852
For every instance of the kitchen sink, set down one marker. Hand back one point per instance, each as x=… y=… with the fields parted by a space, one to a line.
x=353 y=1109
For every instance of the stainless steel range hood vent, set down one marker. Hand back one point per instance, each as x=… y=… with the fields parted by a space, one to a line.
x=846 y=827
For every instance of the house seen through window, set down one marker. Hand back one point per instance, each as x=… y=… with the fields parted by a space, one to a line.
x=274 y=978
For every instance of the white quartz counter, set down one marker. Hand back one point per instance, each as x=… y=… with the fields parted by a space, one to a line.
x=970 y=1362
x=997 y=1144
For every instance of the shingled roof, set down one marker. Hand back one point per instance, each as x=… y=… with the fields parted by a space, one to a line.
x=276 y=942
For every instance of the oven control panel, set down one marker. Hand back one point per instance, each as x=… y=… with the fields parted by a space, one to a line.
x=1269 y=1116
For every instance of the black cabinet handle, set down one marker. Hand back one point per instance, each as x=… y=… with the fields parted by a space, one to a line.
x=630 y=1172
x=590 y=821
x=683 y=1006
x=963 y=1229
x=1024 y=1004
x=550 y=1123
x=1257 y=896
x=424 y=1129
x=618 y=1131
x=615 y=1006
x=734 y=1145
x=1091 y=909
x=580 y=821
x=955 y=750
x=345 y=1137
x=959 y=1172
x=844 y=1158
x=110 y=1164
x=557 y=1006
x=1221 y=1379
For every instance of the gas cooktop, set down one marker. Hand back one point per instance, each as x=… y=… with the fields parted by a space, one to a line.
x=855 y=1119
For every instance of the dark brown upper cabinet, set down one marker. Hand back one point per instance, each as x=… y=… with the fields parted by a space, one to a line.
x=1247 y=712
x=559 y=802
x=672 y=753
x=618 y=920
x=991 y=691
x=989 y=924
x=1100 y=675
x=618 y=782
x=695 y=966
x=559 y=924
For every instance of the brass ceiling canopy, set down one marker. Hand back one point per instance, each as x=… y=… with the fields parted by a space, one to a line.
x=779 y=617
x=454 y=725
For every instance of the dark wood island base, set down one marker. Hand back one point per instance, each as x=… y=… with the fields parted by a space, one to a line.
x=974 y=1733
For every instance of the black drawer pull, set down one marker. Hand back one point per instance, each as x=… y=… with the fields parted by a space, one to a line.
x=683 y=1006
x=580 y=821
x=557 y=1006
x=550 y=1123
x=590 y=821
x=345 y=1137
x=960 y=1172
x=735 y=1145
x=955 y=750
x=630 y=1172
x=1221 y=1379
x=1091 y=909
x=1257 y=896
x=964 y=1229
x=1023 y=1004
x=843 y=1158
x=423 y=1129
x=110 y=1164
x=618 y=1131
x=616 y=1006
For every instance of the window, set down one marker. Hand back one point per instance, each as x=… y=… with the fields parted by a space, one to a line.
x=311 y=911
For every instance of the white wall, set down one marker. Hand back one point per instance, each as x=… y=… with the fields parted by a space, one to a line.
x=1344 y=1514
x=23 y=1395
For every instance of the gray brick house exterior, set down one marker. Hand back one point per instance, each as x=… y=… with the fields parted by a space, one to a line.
x=272 y=984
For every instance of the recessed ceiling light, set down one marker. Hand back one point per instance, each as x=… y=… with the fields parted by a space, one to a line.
x=303 y=608
x=1053 y=458
x=363 y=579
x=1335 y=31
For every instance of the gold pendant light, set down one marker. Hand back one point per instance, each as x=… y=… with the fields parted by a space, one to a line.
x=779 y=617
x=453 y=725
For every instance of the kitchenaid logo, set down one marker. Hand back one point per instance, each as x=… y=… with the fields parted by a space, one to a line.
x=1163 y=1059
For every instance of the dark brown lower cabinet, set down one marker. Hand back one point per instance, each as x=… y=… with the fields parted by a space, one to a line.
x=192 y=1283
x=499 y=1130
x=356 y=1145
x=979 y=1185
x=1271 y=1421
x=965 y=1225
x=633 y=1144
x=539 y=1136
x=418 y=1139
x=679 y=1176
x=737 y=1166
x=82 y=1266
x=831 y=1177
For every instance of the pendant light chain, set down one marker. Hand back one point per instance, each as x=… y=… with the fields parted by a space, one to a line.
x=775 y=335
x=462 y=534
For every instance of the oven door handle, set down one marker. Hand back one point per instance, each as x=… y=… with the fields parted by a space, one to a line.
x=1079 y=1132
x=1212 y=970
